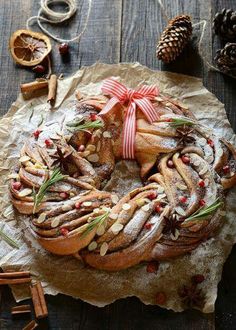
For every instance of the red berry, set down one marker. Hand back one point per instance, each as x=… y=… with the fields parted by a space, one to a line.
x=16 y=185
x=93 y=116
x=226 y=169
x=152 y=195
x=36 y=133
x=48 y=143
x=39 y=69
x=158 y=208
x=210 y=142
x=64 y=48
x=201 y=184
x=64 y=231
x=160 y=298
x=185 y=159
x=202 y=202
x=64 y=195
x=148 y=226
x=169 y=120
x=170 y=163
x=183 y=199
x=81 y=148
x=198 y=278
x=78 y=205
x=152 y=267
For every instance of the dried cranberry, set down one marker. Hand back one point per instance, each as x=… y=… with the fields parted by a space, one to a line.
x=185 y=159
x=48 y=143
x=201 y=184
x=64 y=48
x=158 y=208
x=226 y=169
x=36 y=133
x=81 y=148
x=183 y=199
x=16 y=185
x=152 y=195
x=64 y=195
x=39 y=69
x=148 y=226
x=93 y=116
x=64 y=231
x=78 y=205
x=152 y=267
x=160 y=298
x=210 y=142
x=202 y=202
x=198 y=278
x=169 y=120
x=170 y=163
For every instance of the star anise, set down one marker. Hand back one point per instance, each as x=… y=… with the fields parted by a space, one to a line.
x=61 y=158
x=171 y=224
x=192 y=296
x=183 y=134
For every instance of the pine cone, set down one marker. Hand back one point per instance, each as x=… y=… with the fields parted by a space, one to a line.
x=226 y=59
x=224 y=24
x=174 y=38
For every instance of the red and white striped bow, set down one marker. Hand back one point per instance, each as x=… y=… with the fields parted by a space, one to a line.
x=136 y=98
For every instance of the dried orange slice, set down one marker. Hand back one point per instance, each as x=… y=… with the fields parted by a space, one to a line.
x=29 y=48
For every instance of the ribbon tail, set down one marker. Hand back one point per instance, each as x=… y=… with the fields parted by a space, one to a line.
x=109 y=105
x=129 y=133
x=148 y=109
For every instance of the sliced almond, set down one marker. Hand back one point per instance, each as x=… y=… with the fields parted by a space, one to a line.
x=87 y=203
x=103 y=249
x=181 y=186
x=161 y=196
x=145 y=208
x=92 y=246
x=176 y=235
x=106 y=134
x=24 y=159
x=85 y=153
x=66 y=208
x=101 y=230
x=116 y=228
x=98 y=146
x=55 y=222
x=114 y=199
x=94 y=158
x=106 y=209
x=203 y=170
x=13 y=176
x=160 y=190
x=180 y=210
x=126 y=206
x=206 y=182
x=91 y=147
x=25 y=192
x=113 y=216
x=41 y=218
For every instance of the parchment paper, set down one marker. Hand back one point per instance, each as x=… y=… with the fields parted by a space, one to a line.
x=66 y=274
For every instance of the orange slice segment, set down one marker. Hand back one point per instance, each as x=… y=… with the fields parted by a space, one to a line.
x=29 y=48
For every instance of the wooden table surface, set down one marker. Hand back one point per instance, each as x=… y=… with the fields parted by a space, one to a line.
x=122 y=31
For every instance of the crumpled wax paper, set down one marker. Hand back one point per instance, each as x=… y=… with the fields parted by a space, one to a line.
x=66 y=274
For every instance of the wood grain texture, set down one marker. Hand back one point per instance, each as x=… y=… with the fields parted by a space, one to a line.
x=123 y=31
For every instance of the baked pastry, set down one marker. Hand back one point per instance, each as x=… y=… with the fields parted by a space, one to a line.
x=185 y=171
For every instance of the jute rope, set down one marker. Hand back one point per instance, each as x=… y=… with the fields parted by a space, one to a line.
x=48 y=15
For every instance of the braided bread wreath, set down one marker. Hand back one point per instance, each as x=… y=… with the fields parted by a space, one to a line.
x=183 y=167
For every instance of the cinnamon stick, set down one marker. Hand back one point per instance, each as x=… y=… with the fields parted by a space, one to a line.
x=22 y=309
x=33 y=86
x=14 y=275
x=52 y=89
x=10 y=281
x=31 y=326
x=39 y=302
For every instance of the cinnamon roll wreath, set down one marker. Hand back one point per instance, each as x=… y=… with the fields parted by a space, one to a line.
x=185 y=171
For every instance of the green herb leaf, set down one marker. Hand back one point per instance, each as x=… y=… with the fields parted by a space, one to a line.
x=176 y=122
x=79 y=126
x=98 y=220
x=55 y=177
x=205 y=211
x=8 y=239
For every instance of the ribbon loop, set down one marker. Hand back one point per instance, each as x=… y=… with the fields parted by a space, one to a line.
x=140 y=98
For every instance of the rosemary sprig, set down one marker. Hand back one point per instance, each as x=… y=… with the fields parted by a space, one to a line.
x=205 y=211
x=176 y=122
x=79 y=125
x=8 y=239
x=98 y=220
x=55 y=177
